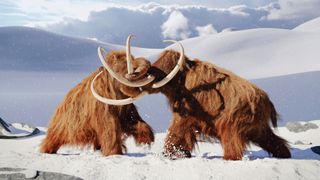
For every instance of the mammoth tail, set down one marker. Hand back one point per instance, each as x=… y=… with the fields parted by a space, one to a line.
x=273 y=115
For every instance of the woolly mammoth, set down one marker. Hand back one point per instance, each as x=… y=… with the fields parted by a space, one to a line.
x=211 y=102
x=81 y=119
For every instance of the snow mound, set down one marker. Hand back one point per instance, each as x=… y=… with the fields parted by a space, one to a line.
x=311 y=26
x=294 y=95
x=31 y=49
x=253 y=54
x=299 y=127
x=259 y=53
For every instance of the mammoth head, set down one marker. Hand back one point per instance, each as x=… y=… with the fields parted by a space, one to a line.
x=116 y=64
x=135 y=74
x=136 y=69
x=140 y=67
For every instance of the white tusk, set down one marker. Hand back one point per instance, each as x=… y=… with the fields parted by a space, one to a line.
x=175 y=69
x=112 y=101
x=124 y=81
x=128 y=53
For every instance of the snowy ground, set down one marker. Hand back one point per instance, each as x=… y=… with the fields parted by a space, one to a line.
x=144 y=163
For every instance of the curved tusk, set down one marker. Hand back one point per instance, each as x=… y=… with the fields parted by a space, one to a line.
x=175 y=69
x=128 y=53
x=124 y=81
x=112 y=101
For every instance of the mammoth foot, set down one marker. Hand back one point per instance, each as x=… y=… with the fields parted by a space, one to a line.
x=142 y=139
x=143 y=134
x=176 y=153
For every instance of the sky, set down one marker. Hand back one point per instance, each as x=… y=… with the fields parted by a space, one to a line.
x=111 y=21
x=41 y=12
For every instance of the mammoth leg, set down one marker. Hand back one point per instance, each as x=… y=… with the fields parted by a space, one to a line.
x=181 y=138
x=96 y=144
x=133 y=124
x=110 y=137
x=51 y=143
x=272 y=143
x=232 y=140
x=143 y=133
x=233 y=145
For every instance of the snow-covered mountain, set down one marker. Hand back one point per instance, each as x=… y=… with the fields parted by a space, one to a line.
x=261 y=53
x=311 y=26
x=294 y=95
x=30 y=49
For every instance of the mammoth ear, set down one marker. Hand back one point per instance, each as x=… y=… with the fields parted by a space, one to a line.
x=175 y=70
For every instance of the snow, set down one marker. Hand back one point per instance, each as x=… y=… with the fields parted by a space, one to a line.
x=50 y=51
x=38 y=68
x=144 y=163
x=259 y=53
x=310 y=26
x=294 y=95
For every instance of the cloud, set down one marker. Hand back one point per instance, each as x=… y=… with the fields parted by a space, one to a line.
x=207 y=3
x=205 y=30
x=42 y=12
x=152 y=22
x=295 y=10
x=176 y=27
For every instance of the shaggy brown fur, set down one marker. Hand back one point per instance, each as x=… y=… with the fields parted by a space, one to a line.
x=82 y=120
x=212 y=102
